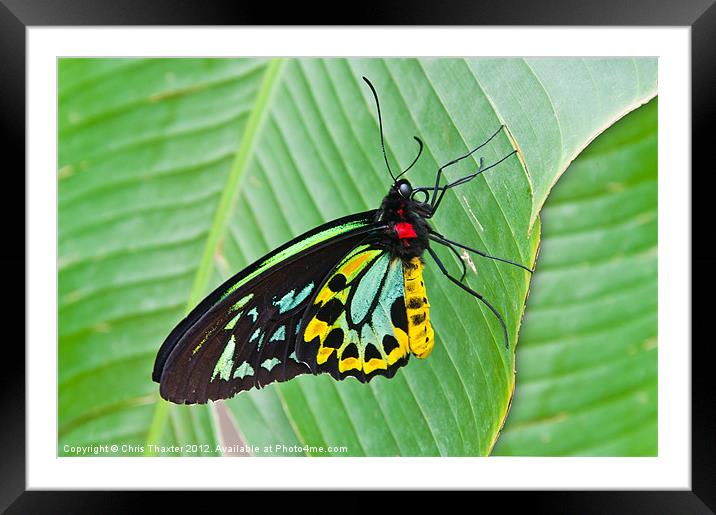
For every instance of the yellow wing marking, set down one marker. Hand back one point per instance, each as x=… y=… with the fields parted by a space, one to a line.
x=353 y=265
x=323 y=354
x=373 y=364
x=315 y=328
x=349 y=269
x=421 y=336
x=349 y=364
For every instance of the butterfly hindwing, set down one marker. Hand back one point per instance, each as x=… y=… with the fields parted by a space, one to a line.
x=357 y=323
x=243 y=335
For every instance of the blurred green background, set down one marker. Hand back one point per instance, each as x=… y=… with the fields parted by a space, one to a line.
x=173 y=174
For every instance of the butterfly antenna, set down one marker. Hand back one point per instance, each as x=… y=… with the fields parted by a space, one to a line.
x=380 y=124
x=420 y=151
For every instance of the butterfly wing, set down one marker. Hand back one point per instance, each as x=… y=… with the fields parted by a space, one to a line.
x=359 y=323
x=243 y=334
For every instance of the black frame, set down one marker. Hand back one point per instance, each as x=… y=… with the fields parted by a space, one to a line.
x=17 y=15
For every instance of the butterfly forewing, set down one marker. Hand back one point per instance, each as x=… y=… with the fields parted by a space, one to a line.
x=243 y=334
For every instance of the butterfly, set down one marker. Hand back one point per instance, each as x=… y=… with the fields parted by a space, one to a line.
x=347 y=298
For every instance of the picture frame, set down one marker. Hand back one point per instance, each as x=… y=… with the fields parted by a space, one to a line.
x=16 y=18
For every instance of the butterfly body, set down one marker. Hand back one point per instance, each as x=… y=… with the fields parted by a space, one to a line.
x=408 y=229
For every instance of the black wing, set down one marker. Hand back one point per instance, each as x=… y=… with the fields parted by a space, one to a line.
x=243 y=334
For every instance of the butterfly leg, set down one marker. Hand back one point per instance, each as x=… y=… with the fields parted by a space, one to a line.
x=471 y=292
x=440 y=170
x=439 y=238
x=457 y=255
x=481 y=169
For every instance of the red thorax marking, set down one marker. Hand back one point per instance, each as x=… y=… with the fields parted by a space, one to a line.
x=405 y=230
x=400 y=212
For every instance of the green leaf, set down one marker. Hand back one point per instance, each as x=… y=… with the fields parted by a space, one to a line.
x=587 y=360
x=175 y=173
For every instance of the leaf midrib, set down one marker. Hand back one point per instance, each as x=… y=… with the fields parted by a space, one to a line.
x=219 y=223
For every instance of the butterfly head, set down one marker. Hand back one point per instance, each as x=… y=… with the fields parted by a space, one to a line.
x=403 y=188
x=416 y=199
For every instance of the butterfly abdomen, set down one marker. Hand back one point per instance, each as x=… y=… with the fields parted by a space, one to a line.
x=421 y=336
